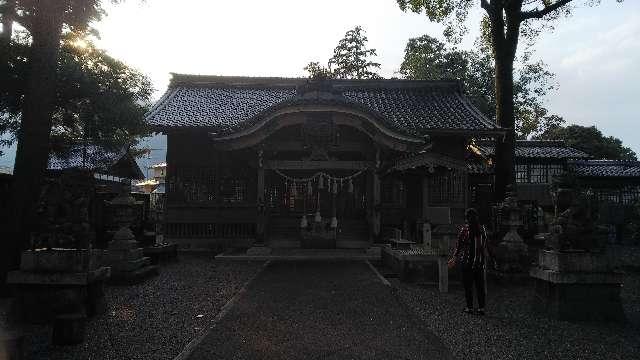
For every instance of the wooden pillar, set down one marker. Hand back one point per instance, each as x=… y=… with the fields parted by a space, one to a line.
x=261 y=204
x=425 y=199
x=376 y=204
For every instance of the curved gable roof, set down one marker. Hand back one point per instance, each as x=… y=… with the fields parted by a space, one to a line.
x=229 y=104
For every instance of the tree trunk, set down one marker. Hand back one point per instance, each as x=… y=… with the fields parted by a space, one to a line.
x=7 y=21
x=505 y=148
x=33 y=137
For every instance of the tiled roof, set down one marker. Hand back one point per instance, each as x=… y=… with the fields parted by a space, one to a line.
x=87 y=157
x=606 y=168
x=228 y=104
x=478 y=168
x=537 y=149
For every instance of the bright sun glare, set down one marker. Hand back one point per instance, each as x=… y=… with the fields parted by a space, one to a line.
x=80 y=43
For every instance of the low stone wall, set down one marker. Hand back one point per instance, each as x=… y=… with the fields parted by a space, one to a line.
x=624 y=255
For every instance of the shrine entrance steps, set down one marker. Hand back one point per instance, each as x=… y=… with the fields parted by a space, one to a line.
x=297 y=254
x=284 y=232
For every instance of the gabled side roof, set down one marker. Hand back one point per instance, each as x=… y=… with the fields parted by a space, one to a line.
x=225 y=105
x=606 y=168
x=536 y=149
x=96 y=158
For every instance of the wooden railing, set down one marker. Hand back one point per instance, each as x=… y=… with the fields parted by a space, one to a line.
x=211 y=230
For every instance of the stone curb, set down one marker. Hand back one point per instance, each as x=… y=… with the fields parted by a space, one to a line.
x=383 y=280
x=193 y=344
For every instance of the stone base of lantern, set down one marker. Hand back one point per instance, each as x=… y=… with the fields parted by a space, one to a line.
x=127 y=260
x=259 y=250
x=577 y=286
x=512 y=259
x=162 y=253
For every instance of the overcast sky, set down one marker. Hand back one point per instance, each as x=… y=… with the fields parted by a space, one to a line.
x=595 y=53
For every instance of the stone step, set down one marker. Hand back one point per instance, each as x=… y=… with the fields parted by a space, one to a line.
x=123 y=245
x=130 y=265
x=125 y=254
x=134 y=277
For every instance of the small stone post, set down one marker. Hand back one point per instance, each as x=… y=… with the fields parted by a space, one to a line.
x=426 y=236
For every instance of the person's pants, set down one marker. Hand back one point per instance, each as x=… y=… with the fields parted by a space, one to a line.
x=469 y=277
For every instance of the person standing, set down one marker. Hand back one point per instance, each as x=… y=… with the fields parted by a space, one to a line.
x=470 y=256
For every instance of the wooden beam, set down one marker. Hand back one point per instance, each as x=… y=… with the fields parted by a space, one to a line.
x=300 y=146
x=317 y=165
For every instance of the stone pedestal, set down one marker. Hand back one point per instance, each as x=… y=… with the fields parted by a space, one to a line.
x=68 y=329
x=162 y=253
x=127 y=260
x=259 y=250
x=51 y=282
x=577 y=286
x=511 y=254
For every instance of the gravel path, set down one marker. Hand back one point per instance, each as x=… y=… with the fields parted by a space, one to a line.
x=319 y=311
x=155 y=319
x=511 y=331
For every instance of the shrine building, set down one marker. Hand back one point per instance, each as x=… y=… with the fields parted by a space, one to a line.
x=268 y=160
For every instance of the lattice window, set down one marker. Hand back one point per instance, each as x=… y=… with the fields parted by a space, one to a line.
x=446 y=188
x=630 y=195
x=392 y=192
x=521 y=174
x=273 y=196
x=196 y=184
x=609 y=196
x=554 y=171
x=234 y=190
x=538 y=173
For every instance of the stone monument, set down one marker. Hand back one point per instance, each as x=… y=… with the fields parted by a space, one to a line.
x=61 y=273
x=126 y=258
x=574 y=279
x=511 y=254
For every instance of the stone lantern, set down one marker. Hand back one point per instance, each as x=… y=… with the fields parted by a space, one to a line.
x=511 y=254
x=127 y=260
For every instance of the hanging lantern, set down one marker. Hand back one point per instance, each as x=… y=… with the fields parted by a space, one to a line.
x=335 y=187
x=294 y=191
x=320 y=182
x=309 y=188
x=350 y=189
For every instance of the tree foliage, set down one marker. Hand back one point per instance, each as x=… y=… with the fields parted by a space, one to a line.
x=351 y=59
x=428 y=58
x=98 y=98
x=45 y=21
x=504 y=24
x=590 y=140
